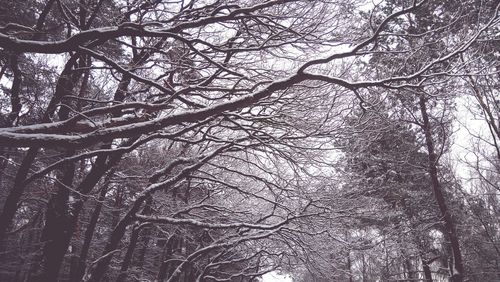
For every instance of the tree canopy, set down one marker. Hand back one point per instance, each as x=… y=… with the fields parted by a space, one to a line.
x=220 y=140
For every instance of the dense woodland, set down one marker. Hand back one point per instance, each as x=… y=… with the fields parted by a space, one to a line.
x=219 y=140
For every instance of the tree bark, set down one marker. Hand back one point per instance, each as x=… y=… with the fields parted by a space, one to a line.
x=427 y=271
x=10 y=206
x=349 y=267
x=172 y=265
x=129 y=254
x=57 y=231
x=115 y=238
x=133 y=242
x=117 y=234
x=15 y=100
x=456 y=267
x=162 y=273
x=89 y=233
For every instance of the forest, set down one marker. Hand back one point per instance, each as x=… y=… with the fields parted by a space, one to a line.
x=222 y=140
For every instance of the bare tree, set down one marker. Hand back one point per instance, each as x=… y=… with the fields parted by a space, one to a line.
x=203 y=128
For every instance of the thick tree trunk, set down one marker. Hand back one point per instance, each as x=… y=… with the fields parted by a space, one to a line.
x=145 y=234
x=134 y=239
x=349 y=267
x=98 y=170
x=116 y=235
x=168 y=251
x=89 y=233
x=363 y=268
x=145 y=238
x=172 y=265
x=58 y=228
x=411 y=275
x=60 y=219
x=61 y=222
x=15 y=100
x=127 y=260
x=427 y=271
x=10 y=206
x=456 y=267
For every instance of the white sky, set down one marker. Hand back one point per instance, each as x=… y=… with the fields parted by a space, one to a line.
x=275 y=277
x=466 y=127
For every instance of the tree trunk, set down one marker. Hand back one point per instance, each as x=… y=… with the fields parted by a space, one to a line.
x=15 y=100
x=363 y=268
x=130 y=252
x=64 y=86
x=172 y=265
x=162 y=273
x=145 y=237
x=89 y=233
x=116 y=235
x=349 y=267
x=457 y=268
x=427 y=271
x=409 y=269
x=145 y=234
x=10 y=206
x=58 y=229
